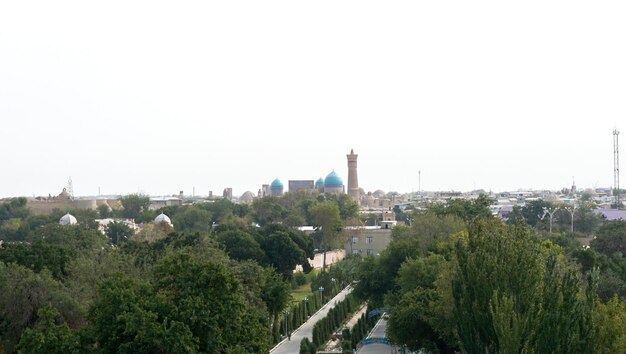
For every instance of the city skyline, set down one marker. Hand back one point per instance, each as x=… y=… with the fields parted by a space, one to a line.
x=146 y=97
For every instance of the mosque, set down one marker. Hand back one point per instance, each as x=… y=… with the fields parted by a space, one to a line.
x=331 y=184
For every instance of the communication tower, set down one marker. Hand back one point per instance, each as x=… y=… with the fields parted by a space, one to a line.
x=616 y=166
x=70 y=188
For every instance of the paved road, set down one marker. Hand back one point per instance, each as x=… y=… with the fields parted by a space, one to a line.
x=377 y=348
x=306 y=330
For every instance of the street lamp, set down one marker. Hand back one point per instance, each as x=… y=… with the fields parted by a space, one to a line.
x=321 y=289
x=549 y=211
x=572 y=210
x=306 y=306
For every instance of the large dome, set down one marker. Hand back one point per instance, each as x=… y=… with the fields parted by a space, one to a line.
x=68 y=219
x=276 y=184
x=247 y=197
x=333 y=180
x=163 y=218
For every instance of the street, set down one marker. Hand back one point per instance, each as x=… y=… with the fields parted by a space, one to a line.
x=306 y=330
x=378 y=348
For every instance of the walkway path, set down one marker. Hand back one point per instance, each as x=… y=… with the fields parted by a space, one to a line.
x=306 y=330
x=379 y=331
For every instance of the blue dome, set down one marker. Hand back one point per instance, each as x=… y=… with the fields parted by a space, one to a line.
x=276 y=184
x=333 y=180
x=319 y=183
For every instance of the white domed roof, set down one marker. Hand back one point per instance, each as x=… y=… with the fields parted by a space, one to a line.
x=68 y=219
x=163 y=218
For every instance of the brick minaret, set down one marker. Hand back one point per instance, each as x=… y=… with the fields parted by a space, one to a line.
x=353 y=179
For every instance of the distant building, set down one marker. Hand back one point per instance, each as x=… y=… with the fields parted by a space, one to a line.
x=367 y=240
x=276 y=188
x=160 y=202
x=333 y=183
x=296 y=185
x=353 y=179
x=228 y=194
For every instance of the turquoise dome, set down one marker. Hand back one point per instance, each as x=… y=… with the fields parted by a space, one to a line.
x=276 y=184
x=319 y=183
x=333 y=180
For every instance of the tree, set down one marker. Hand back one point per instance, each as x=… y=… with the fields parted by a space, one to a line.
x=134 y=205
x=282 y=252
x=208 y=298
x=22 y=294
x=129 y=317
x=118 y=232
x=326 y=217
x=513 y=294
x=50 y=335
x=610 y=320
x=468 y=210
x=268 y=210
x=241 y=245
x=192 y=219
x=611 y=238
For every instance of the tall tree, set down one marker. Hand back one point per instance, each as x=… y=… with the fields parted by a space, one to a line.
x=134 y=205
x=327 y=219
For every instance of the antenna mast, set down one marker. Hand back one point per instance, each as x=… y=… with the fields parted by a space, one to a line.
x=616 y=166
x=70 y=188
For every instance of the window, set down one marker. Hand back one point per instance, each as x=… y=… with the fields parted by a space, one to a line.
x=370 y=252
x=355 y=240
x=369 y=239
x=356 y=251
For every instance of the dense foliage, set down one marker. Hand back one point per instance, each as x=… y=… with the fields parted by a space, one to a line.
x=460 y=280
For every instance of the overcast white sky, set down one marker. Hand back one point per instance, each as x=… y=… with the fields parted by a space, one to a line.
x=158 y=97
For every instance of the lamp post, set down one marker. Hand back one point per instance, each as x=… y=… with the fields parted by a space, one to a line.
x=306 y=306
x=572 y=210
x=321 y=289
x=334 y=282
x=549 y=211
x=287 y=324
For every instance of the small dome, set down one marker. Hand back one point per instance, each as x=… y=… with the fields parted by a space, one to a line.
x=68 y=219
x=379 y=193
x=276 y=184
x=163 y=218
x=333 y=180
x=319 y=183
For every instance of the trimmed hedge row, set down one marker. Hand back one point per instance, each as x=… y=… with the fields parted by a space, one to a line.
x=323 y=329
x=360 y=330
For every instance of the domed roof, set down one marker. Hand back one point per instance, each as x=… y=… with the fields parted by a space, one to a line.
x=276 y=184
x=333 y=180
x=319 y=183
x=163 y=218
x=379 y=193
x=247 y=197
x=68 y=219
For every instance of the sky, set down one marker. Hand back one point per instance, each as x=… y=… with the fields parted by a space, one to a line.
x=157 y=97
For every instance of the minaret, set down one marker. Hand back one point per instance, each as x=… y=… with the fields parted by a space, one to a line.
x=353 y=179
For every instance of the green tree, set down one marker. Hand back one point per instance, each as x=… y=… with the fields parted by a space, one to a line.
x=22 y=294
x=129 y=317
x=611 y=238
x=208 y=298
x=49 y=336
x=193 y=219
x=326 y=217
x=118 y=232
x=134 y=205
x=241 y=245
x=610 y=320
